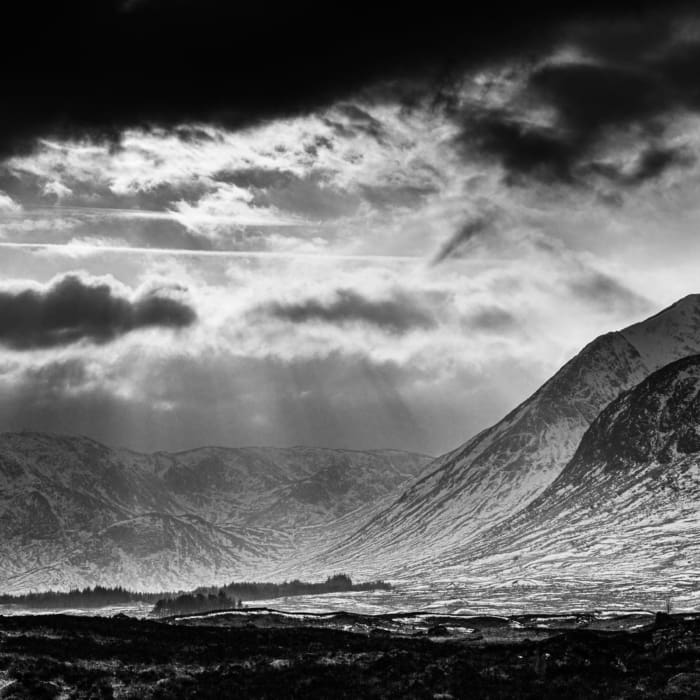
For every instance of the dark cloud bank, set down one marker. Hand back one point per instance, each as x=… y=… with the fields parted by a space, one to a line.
x=71 y=310
x=86 y=67
x=397 y=313
x=629 y=75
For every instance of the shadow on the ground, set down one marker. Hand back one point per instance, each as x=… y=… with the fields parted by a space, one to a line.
x=256 y=654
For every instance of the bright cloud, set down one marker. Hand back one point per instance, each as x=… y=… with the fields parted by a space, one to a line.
x=377 y=273
x=8 y=205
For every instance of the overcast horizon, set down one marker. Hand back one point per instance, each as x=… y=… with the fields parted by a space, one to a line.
x=283 y=242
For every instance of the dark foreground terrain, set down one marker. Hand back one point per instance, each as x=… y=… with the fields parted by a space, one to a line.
x=263 y=653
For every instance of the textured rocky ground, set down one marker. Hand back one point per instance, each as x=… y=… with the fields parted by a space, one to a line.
x=263 y=654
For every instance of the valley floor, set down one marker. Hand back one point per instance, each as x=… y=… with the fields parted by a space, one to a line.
x=262 y=653
x=478 y=596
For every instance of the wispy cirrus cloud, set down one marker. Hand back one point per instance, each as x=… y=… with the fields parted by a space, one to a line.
x=227 y=207
x=326 y=177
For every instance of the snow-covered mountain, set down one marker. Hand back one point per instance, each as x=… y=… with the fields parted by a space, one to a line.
x=75 y=512
x=626 y=507
x=505 y=467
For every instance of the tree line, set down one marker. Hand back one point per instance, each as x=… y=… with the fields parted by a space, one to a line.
x=338 y=583
x=88 y=597
x=195 y=602
x=231 y=595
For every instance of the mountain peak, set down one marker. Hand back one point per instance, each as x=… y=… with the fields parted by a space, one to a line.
x=509 y=465
x=625 y=508
x=658 y=420
x=669 y=335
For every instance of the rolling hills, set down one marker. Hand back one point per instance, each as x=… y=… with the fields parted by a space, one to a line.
x=74 y=512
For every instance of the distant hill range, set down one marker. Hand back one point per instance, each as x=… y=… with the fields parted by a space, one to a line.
x=594 y=477
x=76 y=513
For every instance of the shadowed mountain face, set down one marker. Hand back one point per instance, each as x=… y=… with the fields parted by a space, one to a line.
x=627 y=506
x=75 y=512
x=500 y=471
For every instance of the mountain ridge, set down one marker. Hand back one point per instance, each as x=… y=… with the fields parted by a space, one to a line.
x=628 y=503
x=76 y=512
x=211 y=513
x=467 y=491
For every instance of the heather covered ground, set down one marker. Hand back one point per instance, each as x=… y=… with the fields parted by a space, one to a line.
x=263 y=654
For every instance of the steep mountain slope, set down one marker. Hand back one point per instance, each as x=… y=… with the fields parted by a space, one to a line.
x=505 y=467
x=626 y=506
x=75 y=512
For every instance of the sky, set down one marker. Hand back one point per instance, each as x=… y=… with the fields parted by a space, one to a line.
x=246 y=227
